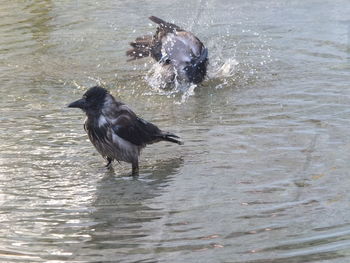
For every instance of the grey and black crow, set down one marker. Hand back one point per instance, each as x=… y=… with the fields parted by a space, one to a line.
x=115 y=130
x=181 y=54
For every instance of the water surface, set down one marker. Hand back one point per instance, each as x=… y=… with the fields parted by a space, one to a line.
x=263 y=175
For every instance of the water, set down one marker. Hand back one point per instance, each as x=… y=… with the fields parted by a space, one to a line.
x=263 y=175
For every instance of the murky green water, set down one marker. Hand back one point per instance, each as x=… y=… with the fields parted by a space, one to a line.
x=264 y=172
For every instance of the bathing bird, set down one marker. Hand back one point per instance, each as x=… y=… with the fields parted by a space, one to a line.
x=182 y=55
x=115 y=130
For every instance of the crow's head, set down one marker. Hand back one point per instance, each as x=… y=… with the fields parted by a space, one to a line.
x=92 y=100
x=196 y=69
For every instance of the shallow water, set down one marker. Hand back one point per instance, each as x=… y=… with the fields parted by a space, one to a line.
x=263 y=175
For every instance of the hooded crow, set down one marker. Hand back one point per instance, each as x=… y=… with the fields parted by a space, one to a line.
x=181 y=54
x=115 y=130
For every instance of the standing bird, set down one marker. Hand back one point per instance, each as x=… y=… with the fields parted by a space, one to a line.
x=181 y=54
x=115 y=130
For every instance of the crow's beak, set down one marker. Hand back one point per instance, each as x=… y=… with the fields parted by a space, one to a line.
x=78 y=104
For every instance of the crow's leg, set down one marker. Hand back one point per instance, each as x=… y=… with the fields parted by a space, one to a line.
x=109 y=162
x=135 y=168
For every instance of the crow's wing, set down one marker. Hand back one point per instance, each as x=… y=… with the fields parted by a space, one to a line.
x=165 y=26
x=181 y=47
x=136 y=130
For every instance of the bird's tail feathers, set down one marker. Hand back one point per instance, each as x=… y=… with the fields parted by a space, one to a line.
x=141 y=48
x=170 y=137
x=169 y=27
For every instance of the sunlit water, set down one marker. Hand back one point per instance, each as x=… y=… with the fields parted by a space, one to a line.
x=263 y=175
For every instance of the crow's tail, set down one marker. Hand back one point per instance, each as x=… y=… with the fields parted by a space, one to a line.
x=168 y=27
x=141 y=48
x=170 y=137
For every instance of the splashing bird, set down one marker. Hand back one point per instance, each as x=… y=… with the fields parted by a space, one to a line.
x=182 y=55
x=115 y=130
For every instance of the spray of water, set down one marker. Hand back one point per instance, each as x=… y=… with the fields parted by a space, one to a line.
x=163 y=84
x=237 y=55
x=220 y=72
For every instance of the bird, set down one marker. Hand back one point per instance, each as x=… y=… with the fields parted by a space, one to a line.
x=115 y=130
x=182 y=55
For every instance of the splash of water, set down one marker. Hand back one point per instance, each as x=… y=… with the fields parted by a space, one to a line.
x=233 y=62
x=223 y=69
x=219 y=71
x=164 y=85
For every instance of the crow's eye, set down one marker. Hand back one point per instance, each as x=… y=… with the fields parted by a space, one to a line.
x=85 y=97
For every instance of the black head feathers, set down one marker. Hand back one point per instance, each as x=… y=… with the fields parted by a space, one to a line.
x=92 y=100
x=95 y=92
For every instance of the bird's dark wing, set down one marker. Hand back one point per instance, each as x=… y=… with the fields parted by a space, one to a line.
x=136 y=130
x=149 y=45
x=163 y=29
x=141 y=47
x=165 y=26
